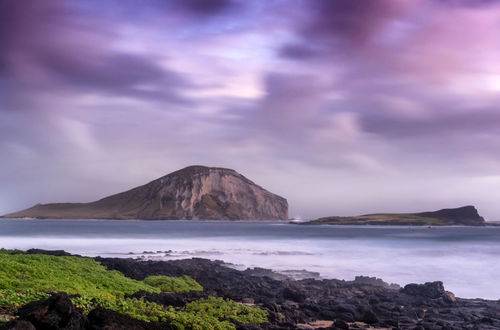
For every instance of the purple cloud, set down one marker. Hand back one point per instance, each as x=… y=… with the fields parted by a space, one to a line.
x=205 y=7
x=350 y=21
x=45 y=47
x=366 y=99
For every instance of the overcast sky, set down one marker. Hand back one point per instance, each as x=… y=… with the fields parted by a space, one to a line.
x=341 y=106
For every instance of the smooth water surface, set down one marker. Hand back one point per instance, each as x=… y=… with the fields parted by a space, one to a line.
x=466 y=259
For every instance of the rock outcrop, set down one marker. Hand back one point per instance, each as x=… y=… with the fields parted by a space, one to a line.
x=195 y=192
x=466 y=215
x=56 y=312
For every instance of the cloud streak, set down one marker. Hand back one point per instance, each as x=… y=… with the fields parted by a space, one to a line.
x=376 y=103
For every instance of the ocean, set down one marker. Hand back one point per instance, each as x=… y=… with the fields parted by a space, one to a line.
x=466 y=259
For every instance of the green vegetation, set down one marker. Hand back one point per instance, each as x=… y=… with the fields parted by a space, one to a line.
x=139 y=309
x=209 y=313
x=173 y=284
x=223 y=308
x=25 y=278
x=82 y=276
x=14 y=299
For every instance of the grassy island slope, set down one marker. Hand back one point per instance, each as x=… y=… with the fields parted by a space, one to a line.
x=462 y=216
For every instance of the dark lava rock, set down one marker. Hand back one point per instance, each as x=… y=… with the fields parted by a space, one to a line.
x=339 y=324
x=105 y=319
x=367 y=280
x=261 y=272
x=369 y=317
x=433 y=290
x=17 y=325
x=53 y=313
x=295 y=293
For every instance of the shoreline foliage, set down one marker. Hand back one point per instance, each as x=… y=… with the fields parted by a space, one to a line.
x=30 y=277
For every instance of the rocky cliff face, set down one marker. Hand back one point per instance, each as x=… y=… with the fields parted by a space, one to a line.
x=465 y=215
x=195 y=192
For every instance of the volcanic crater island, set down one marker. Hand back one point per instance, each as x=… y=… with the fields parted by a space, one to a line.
x=192 y=193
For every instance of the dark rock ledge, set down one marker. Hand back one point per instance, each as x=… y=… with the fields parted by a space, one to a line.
x=306 y=304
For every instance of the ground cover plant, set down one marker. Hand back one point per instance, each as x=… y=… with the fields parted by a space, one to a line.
x=25 y=278
x=173 y=284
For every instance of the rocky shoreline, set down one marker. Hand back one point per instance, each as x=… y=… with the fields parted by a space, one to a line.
x=291 y=304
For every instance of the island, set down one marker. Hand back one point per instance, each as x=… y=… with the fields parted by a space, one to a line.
x=192 y=193
x=461 y=216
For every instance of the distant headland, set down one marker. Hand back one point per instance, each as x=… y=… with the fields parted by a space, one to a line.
x=461 y=216
x=195 y=192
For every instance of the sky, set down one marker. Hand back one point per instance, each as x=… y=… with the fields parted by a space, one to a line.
x=343 y=107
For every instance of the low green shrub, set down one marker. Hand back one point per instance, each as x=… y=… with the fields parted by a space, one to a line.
x=137 y=308
x=14 y=299
x=25 y=278
x=74 y=275
x=184 y=283
x=227 y=309
x=204 y=314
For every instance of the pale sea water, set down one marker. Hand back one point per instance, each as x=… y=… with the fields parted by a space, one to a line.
x=466 y=259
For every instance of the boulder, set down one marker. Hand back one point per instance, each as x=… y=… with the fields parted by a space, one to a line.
x=54 y=313
x=105 y=319
x=431 y=290
x=17 y=325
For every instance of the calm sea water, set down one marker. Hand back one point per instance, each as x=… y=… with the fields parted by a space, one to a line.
x=465 y=259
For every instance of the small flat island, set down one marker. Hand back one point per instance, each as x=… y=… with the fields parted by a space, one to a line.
x=462 y=216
